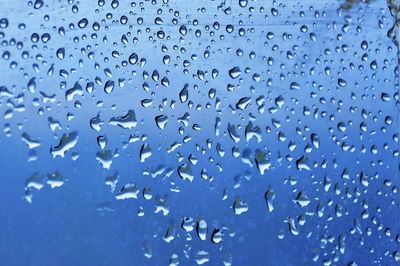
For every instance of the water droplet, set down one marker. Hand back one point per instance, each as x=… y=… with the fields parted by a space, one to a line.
x=235 y=72
x=126 y=121
x=67 y=142
x=83 y=23
x=60 y=53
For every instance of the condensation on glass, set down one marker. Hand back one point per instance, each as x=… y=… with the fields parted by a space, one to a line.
x=216 y=132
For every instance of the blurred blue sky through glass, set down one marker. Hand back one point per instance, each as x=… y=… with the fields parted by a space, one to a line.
x=215 y=132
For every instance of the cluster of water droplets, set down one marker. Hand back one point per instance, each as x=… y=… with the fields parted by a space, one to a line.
x=241 y=119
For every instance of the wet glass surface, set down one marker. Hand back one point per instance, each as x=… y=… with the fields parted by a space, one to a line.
x=199 y=132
